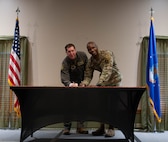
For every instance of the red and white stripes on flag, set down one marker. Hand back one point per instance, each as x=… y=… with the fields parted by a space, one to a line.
x=14 y=75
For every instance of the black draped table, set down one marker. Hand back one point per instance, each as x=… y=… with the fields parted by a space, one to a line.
x=42 y=106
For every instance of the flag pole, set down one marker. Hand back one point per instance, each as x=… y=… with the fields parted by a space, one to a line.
x=17 y=11
x=10 y=108
x=151 y=12
x=11 y=92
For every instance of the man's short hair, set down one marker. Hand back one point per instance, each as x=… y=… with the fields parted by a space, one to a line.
x=69 y=45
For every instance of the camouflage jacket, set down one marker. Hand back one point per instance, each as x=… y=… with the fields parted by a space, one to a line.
x=106 y=65
x=73 y=70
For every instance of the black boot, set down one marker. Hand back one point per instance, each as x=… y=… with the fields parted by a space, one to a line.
x=100 y=131
x=110 y=132
x=80 y=128
x=67 y=127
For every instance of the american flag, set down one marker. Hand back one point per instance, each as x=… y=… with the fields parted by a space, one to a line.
x=14 y=65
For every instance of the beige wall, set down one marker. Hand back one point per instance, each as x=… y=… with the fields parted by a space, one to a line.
x=116 y=25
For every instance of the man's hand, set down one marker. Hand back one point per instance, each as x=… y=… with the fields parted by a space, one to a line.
x=82 y=85
x=73 y=84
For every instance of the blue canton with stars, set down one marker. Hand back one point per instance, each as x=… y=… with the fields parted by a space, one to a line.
x=16 y=42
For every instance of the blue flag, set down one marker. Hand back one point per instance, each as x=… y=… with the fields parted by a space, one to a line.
x=152 y=77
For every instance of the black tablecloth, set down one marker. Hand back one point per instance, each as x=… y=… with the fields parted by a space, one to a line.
x=42 y=106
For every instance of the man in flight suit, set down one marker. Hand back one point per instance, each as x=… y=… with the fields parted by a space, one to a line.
x=72 y=73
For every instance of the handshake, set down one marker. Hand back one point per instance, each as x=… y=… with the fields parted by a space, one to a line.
x=76 y=85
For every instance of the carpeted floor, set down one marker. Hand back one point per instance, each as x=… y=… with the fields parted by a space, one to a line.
x=51 y=135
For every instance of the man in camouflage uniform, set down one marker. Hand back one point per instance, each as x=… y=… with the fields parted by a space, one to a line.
x=72 y=73
x=104 y=62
